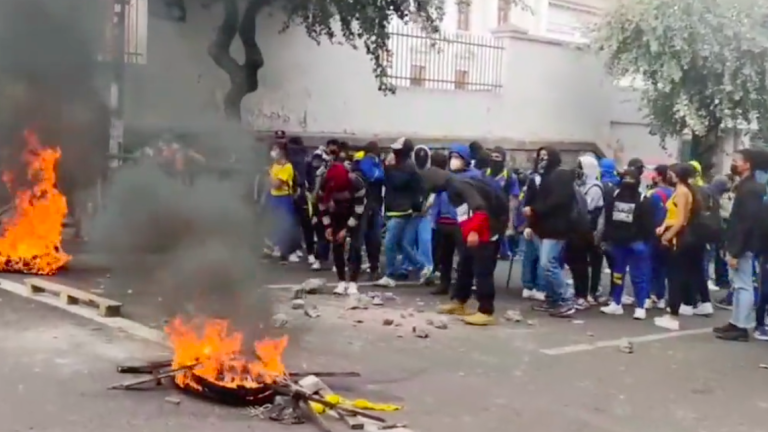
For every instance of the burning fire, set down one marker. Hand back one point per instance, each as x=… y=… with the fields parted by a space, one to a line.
x=214 y=353
x=31 y=237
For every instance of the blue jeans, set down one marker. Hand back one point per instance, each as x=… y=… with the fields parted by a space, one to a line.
x=743 y=291
x=532 y=271
x=394 y=245
x=637 y=257
x=551 y=259
x=287 y=237
x=418 y=237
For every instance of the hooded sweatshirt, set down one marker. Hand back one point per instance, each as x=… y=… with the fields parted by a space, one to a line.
x=402 y=183
x=629 y=217
x=296 y=153
x=553 y=202
x=592 y=189
x=608 y=172
x=372 y=171
x=443 y=211
x=698 y=180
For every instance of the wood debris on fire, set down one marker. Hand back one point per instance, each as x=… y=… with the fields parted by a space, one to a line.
x=208 y=362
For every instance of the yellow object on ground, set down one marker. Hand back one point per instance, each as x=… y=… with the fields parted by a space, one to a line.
x=452 y=308
x=479 y=319
x=357 y=403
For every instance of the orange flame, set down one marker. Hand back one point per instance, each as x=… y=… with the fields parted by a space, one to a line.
x=31 y=237
x=218 y=356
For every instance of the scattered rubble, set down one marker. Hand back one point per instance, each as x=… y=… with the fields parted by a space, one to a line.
x=313 y=286
x=389 y=296
x=420 y=332
x=358 y=321
x=173 y=400
x=513 y=315
x=311 y=311
x=532 y=323
x=297 y=304
x=763 y=366
x=298 y=293
x=440 y=323
x=403 y=315
x=388 y=322
x=590 y=334
x=410 y=312
x=357 y=302
x=626 y=347
x=577 y=321
x=280 y=320
x=377 y=301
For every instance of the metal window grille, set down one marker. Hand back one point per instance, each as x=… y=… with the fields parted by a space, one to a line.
x=136 y=17
x=445 y=61
x=463 y=17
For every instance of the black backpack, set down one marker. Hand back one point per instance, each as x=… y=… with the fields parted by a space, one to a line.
x=706 y=225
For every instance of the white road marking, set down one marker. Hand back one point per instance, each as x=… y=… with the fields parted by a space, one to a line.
x=618 y=342
x=329 y=284
x=126 y=325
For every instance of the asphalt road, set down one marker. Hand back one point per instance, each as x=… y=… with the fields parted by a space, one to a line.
x=499 y=378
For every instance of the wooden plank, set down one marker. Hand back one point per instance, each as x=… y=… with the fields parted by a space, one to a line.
x=71 y=296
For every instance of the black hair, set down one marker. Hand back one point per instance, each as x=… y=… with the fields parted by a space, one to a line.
x=751 y=157
x=685 y=172
x=440 y=160
x=333 y=142
x=296 y=141
x=662 y=171
x=372 y=147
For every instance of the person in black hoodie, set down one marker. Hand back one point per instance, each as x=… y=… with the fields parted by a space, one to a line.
x=741 y=243
x=630 y=224
x=482 y=215
x=402 y=194
x=551 y=211
x=297 y=156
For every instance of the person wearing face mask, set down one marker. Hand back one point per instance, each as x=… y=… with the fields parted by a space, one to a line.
x=296 y=153
x=550 y=210
x=319 y=162
x=658 y=196
x=418 y=233
x=371 y=170
x=282 y=178
x=583 y=253
x=402 y=190
x=741 y=243
x=629 y=226
x=508 y=184
x=482 y=215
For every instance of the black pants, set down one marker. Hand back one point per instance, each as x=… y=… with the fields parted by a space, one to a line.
x=686 y=278
x=321 y=248
x=338 y=223
x=477 y=264
x=371 y=225
x=301 y=207
x=447 y=240
x=585 y=259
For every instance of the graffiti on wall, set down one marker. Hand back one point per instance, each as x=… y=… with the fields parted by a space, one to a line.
x=265 y=117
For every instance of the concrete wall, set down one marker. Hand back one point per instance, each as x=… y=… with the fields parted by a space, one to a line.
x=551 y=92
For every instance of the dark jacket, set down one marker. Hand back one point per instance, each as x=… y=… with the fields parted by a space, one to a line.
x=402 y=188
x=742 y=234
x=618 y=229
x=553 y=201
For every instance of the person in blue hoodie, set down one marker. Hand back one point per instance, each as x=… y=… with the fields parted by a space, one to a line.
x=658 y=196
x=459 y=162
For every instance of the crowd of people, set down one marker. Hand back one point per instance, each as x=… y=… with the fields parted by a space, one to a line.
x=446 y=217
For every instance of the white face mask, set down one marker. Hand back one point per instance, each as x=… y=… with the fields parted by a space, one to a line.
x=456 y=164
x=274 y=154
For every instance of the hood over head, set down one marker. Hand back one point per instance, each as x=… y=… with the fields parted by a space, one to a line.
x=719 y=186
x=422 y=156
x=590 y=168
x=434 y=179
x=462 y=151
x=337 y=179
x=608 y=171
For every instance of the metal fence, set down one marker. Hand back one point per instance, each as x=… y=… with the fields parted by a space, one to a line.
x=136 y=21
x=445 y=61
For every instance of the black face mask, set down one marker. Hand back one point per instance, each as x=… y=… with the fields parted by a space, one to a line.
x=496 y=166
x=735 y=170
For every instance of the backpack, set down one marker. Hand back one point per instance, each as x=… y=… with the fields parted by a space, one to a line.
x=609 y=191
x=594 y=214
x=580 y=217
x=706 y=226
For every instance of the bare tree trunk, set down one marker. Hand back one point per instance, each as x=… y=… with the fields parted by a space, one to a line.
x=243 y=78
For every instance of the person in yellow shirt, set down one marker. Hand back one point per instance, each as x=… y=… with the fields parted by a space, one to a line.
x=282 y=176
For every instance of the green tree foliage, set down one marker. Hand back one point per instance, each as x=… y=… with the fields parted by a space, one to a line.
x=358 y=23
x=703 y=64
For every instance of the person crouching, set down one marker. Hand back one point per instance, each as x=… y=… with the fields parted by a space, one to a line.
x=629 y=227
x=341 y=203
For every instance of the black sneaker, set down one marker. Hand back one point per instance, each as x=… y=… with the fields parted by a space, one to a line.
x=283 y=260
x=564 y=311
x=543 y=307
x=724 y=329
x=724 y=303
x=736 y=335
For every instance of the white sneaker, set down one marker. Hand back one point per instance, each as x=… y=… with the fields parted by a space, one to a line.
x=299 y=253
x=539 y=295
x=627 y=300
x=612 y=309
x=607 y=271
x=661 y=304
x=686 y=310
x=712 y=286
x=528 y=294
x=425 y=274
x=352 y=288
x=668 y=322
x=311 y=260
x=294 y=257
x=276 y=252
x=316 y=266
x=385 y=282
x=648 y=304
x=341 y=289
x=704 y=309
x=639 y=314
